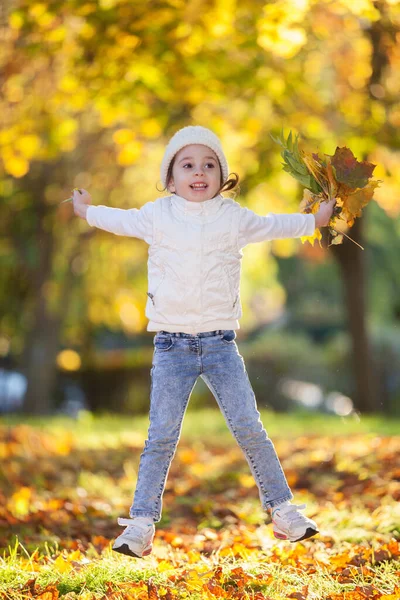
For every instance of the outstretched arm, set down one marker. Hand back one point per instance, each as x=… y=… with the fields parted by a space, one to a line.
x=133 y=222
x=257 y=228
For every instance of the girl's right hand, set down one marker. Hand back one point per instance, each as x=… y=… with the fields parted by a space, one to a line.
x=324 y=214
x=81 y=200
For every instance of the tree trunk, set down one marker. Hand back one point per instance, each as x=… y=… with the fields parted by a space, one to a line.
x=40 y=349
x=351 y=261
x=39 y=360
x=47 y=314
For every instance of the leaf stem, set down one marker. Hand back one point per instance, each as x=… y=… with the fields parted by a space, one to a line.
x=348 y=237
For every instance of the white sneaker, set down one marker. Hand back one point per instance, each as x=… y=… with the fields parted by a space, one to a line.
x=290 y=524
x=137 y=538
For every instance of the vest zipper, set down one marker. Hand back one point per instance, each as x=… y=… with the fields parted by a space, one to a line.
x=152 y=296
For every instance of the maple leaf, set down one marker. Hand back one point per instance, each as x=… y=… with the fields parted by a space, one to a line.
x=354 y=202
x=348 y=170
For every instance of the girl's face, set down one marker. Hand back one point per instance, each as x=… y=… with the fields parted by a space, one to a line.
x=195 y=164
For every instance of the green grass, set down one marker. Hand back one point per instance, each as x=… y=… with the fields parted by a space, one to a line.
x=209 y=424
x=276 y=580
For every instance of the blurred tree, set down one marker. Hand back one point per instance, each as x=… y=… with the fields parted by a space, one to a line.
x=382 y=35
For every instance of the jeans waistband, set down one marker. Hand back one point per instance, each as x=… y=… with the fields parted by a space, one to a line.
x=190 y=335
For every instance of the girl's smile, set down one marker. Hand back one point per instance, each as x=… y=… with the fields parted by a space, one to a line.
x=196 y=173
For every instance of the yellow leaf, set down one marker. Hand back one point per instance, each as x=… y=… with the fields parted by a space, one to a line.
x=165 y=565
x=195 y=578
x=61 y=565
x=317 y=235
x=76 y=555
x=395 y=596
x=193 y=556
x=353 y=204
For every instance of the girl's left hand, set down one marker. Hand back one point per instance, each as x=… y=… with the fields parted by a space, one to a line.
x=324 y=214
x=81 y=199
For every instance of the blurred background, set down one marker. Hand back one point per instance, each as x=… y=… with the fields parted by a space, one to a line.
x=90 y=94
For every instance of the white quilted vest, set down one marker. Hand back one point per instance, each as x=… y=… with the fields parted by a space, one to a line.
x=194 y=266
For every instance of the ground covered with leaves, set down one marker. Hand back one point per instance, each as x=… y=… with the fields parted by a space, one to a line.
x=63 y=486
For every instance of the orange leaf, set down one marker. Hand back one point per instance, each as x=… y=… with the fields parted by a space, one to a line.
x=152 y=590
x=50 y=593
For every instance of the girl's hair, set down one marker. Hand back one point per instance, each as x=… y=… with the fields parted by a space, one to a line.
x=225 y=186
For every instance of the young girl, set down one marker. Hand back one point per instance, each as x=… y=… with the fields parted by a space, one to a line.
x=195 y=237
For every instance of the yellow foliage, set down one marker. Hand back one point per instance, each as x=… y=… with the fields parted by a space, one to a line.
x=130 y=153
x=37 y=10
x=87 y=31
x=17 y=166
x=279 y=30
x=364 y=9
x=193 y=43
x=129 y=41
x=123 y=136
x=20 y=502
x=150 y=128
x=68 y=83
x=28 y=145
x=56 y=35
x=16 y=20
x=284 y=248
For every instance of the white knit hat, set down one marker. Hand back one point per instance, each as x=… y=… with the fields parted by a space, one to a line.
x=193 y=134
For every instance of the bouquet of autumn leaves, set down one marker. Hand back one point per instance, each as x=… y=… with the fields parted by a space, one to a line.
x=338 y=176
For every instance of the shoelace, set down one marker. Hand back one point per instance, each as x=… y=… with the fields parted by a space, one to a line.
x=290 y=512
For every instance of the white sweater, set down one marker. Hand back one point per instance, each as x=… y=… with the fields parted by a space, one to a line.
x=195 y=253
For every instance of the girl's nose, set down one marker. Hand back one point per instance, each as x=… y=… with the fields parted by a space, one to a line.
x=199 y=170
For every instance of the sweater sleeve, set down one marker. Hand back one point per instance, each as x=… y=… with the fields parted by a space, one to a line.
x=132 y=222
x=257 y=228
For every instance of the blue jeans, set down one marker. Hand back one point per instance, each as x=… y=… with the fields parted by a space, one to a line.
x=178 y=360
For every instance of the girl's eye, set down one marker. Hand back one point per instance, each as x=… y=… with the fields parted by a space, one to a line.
x=190 y=164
